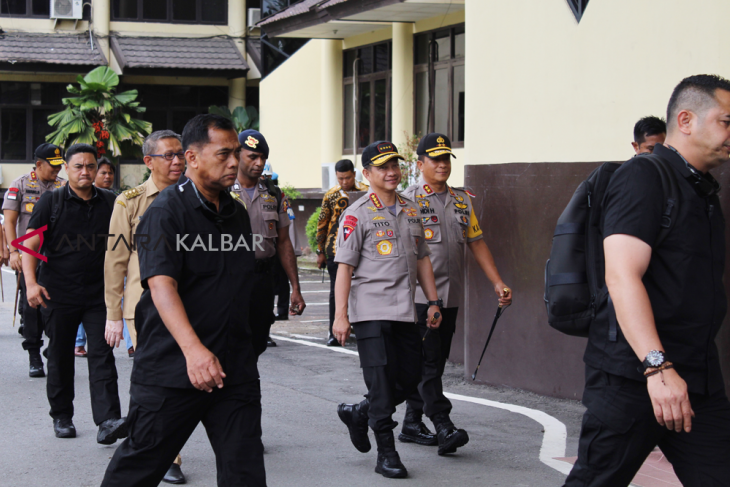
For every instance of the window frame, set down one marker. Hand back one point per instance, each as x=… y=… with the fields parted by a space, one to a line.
x=28 y=12
x=431 y=68
x=370 y=78
x=168 y=19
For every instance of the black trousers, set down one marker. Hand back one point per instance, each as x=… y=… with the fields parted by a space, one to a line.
x=332 y=271
x=62 y=324
x=32 y=320
x=619 y=431
x=261 y=309
x=162 y=419
x=281 y=288
x=390 y=357
x=429 y=397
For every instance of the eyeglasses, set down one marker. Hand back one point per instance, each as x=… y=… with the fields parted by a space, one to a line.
x=170 y=155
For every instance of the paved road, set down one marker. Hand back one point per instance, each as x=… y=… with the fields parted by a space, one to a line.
x=306 y=445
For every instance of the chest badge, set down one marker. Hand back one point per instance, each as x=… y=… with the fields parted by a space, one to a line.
x=435 y=219
x=429 y=234
x=458 y=198
x=463 y=233
x=378 y=218
x=372 y=208
x=390 y=233
x=271 y=225
x=385 y=247
x=29 y=207
x=424 y=203
x=411 y=212
x=464 y=220
x=461 y=206
x=380 y=233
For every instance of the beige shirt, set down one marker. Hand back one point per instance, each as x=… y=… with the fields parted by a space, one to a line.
x=24 y=193
x=383 y=248
x=121 y=258
x=266 y=218
x=448 y=227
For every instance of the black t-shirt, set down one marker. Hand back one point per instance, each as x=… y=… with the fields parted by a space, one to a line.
x=74 y=245
x=210 y=255
x=684 y=277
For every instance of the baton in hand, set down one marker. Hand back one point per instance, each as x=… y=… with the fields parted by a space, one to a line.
x=500 y=310
x=17 y=290
x=436 y=316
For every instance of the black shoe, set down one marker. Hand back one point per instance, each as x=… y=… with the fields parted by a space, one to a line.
x=174 y=475
x=111 y=430
x=270 y=342
x=332 y=342
x=64 y=428
x=355 y=418
x=282 y=316
x=36 y=364
x=389 y=464
x=417 y=433
x=450 y=438
x=20 y=330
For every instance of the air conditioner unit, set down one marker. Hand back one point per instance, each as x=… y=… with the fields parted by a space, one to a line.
x=329 y=178
x=67 y=9
x=254 y=16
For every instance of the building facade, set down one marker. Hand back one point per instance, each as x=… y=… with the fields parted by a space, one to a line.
x=182 y=56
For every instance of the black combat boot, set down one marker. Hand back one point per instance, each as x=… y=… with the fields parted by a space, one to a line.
x=355 y=417
x=449 y=438
x=414 y=431
x=389 y=464
x=36 y=363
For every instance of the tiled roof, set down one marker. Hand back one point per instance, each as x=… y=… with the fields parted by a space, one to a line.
x=181 y=53
x=50 y=48
x=296 y=9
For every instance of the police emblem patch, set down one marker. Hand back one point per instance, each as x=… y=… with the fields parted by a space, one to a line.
x=464 y=220
x=251 y=142
x=271 y=225
x=390 y=233
x=424 y=203
x=29 y=207
x=435 y=219
x=385 y=247
x=463 y=234
x=425 y=219
x=380 y=233
x=411 y=212
x=429 y=233
x=347 y=229
x=13 y=193
x=458 y=198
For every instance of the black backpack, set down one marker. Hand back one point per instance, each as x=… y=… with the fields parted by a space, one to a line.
x=575 y=273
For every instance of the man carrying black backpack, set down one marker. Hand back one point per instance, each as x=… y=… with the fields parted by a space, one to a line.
x=656 y=379
x=74 y=223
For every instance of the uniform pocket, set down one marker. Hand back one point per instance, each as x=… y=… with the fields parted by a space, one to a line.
x=271 y=222
x=432 y=231
x=415 y=237
x=384 y=242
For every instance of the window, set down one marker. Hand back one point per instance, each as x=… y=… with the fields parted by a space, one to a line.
x=25 y=8
x=270 y=7
x=24 y=111
x=366 y=79
x=439 y=83
x=173 y=11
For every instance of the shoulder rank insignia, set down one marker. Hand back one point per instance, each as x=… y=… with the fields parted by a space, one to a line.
x=376 y=201
x=131 y=193
x=33 y=176
x=122 y=203
x=235 y=196
x=400 y=200
x=451 y=191
x=427 y=189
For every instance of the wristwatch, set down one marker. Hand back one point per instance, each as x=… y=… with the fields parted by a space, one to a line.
x=318 y=252
x=438 y=302
x=655 y=358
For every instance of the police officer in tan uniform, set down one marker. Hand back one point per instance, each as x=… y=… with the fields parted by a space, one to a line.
x=450 y=226
x=267 y=209
x=164 y=157
x=20 y=199
x=382 y=240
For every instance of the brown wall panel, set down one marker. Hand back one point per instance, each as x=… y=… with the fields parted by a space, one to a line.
x=518 y=206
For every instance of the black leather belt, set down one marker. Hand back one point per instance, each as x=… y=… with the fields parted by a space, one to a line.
x=264 y=265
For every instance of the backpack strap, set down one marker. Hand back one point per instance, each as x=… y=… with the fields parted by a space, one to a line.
x=275 y=191
x=671 y=196
x=58 y=198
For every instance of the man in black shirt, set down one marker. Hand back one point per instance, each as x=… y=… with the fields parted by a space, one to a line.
x=74 y=221
x=653 y=378
x=194 y=359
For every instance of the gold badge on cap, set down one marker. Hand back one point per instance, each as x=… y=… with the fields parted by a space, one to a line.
x=251 y=142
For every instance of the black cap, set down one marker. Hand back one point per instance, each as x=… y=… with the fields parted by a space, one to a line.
x=434 y=145
x=254 y=141
x=51 y=153
x=378 y=153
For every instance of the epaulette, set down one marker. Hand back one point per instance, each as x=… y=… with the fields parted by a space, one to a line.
x=132 y=193
x=235 y=196
x=467 y=192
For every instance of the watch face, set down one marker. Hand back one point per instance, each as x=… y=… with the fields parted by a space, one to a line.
x=655 y=358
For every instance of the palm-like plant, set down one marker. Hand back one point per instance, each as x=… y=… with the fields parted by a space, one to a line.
x=98 y=116
x=242 y=118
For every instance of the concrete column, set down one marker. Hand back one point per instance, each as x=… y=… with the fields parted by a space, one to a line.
x=100 y=24
x=331 y=123
x=237 y=31
x=402 y=83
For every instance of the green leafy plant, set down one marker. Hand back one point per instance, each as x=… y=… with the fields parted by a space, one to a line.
x=290 y=191
x=242 y=118
x=409 y=167
x=99 y=116
x=311 y=230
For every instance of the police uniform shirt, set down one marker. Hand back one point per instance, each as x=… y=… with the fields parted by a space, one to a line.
x=266 y=218
x=448 y=225
x=383 y=248
x=74 y=246
x=23 y=195
x=122 y=259
x=684 y=279
x=209 y=254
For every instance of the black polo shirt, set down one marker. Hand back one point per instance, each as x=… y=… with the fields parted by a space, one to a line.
x=684 y=278
x=74 y=245
x=210 y=255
